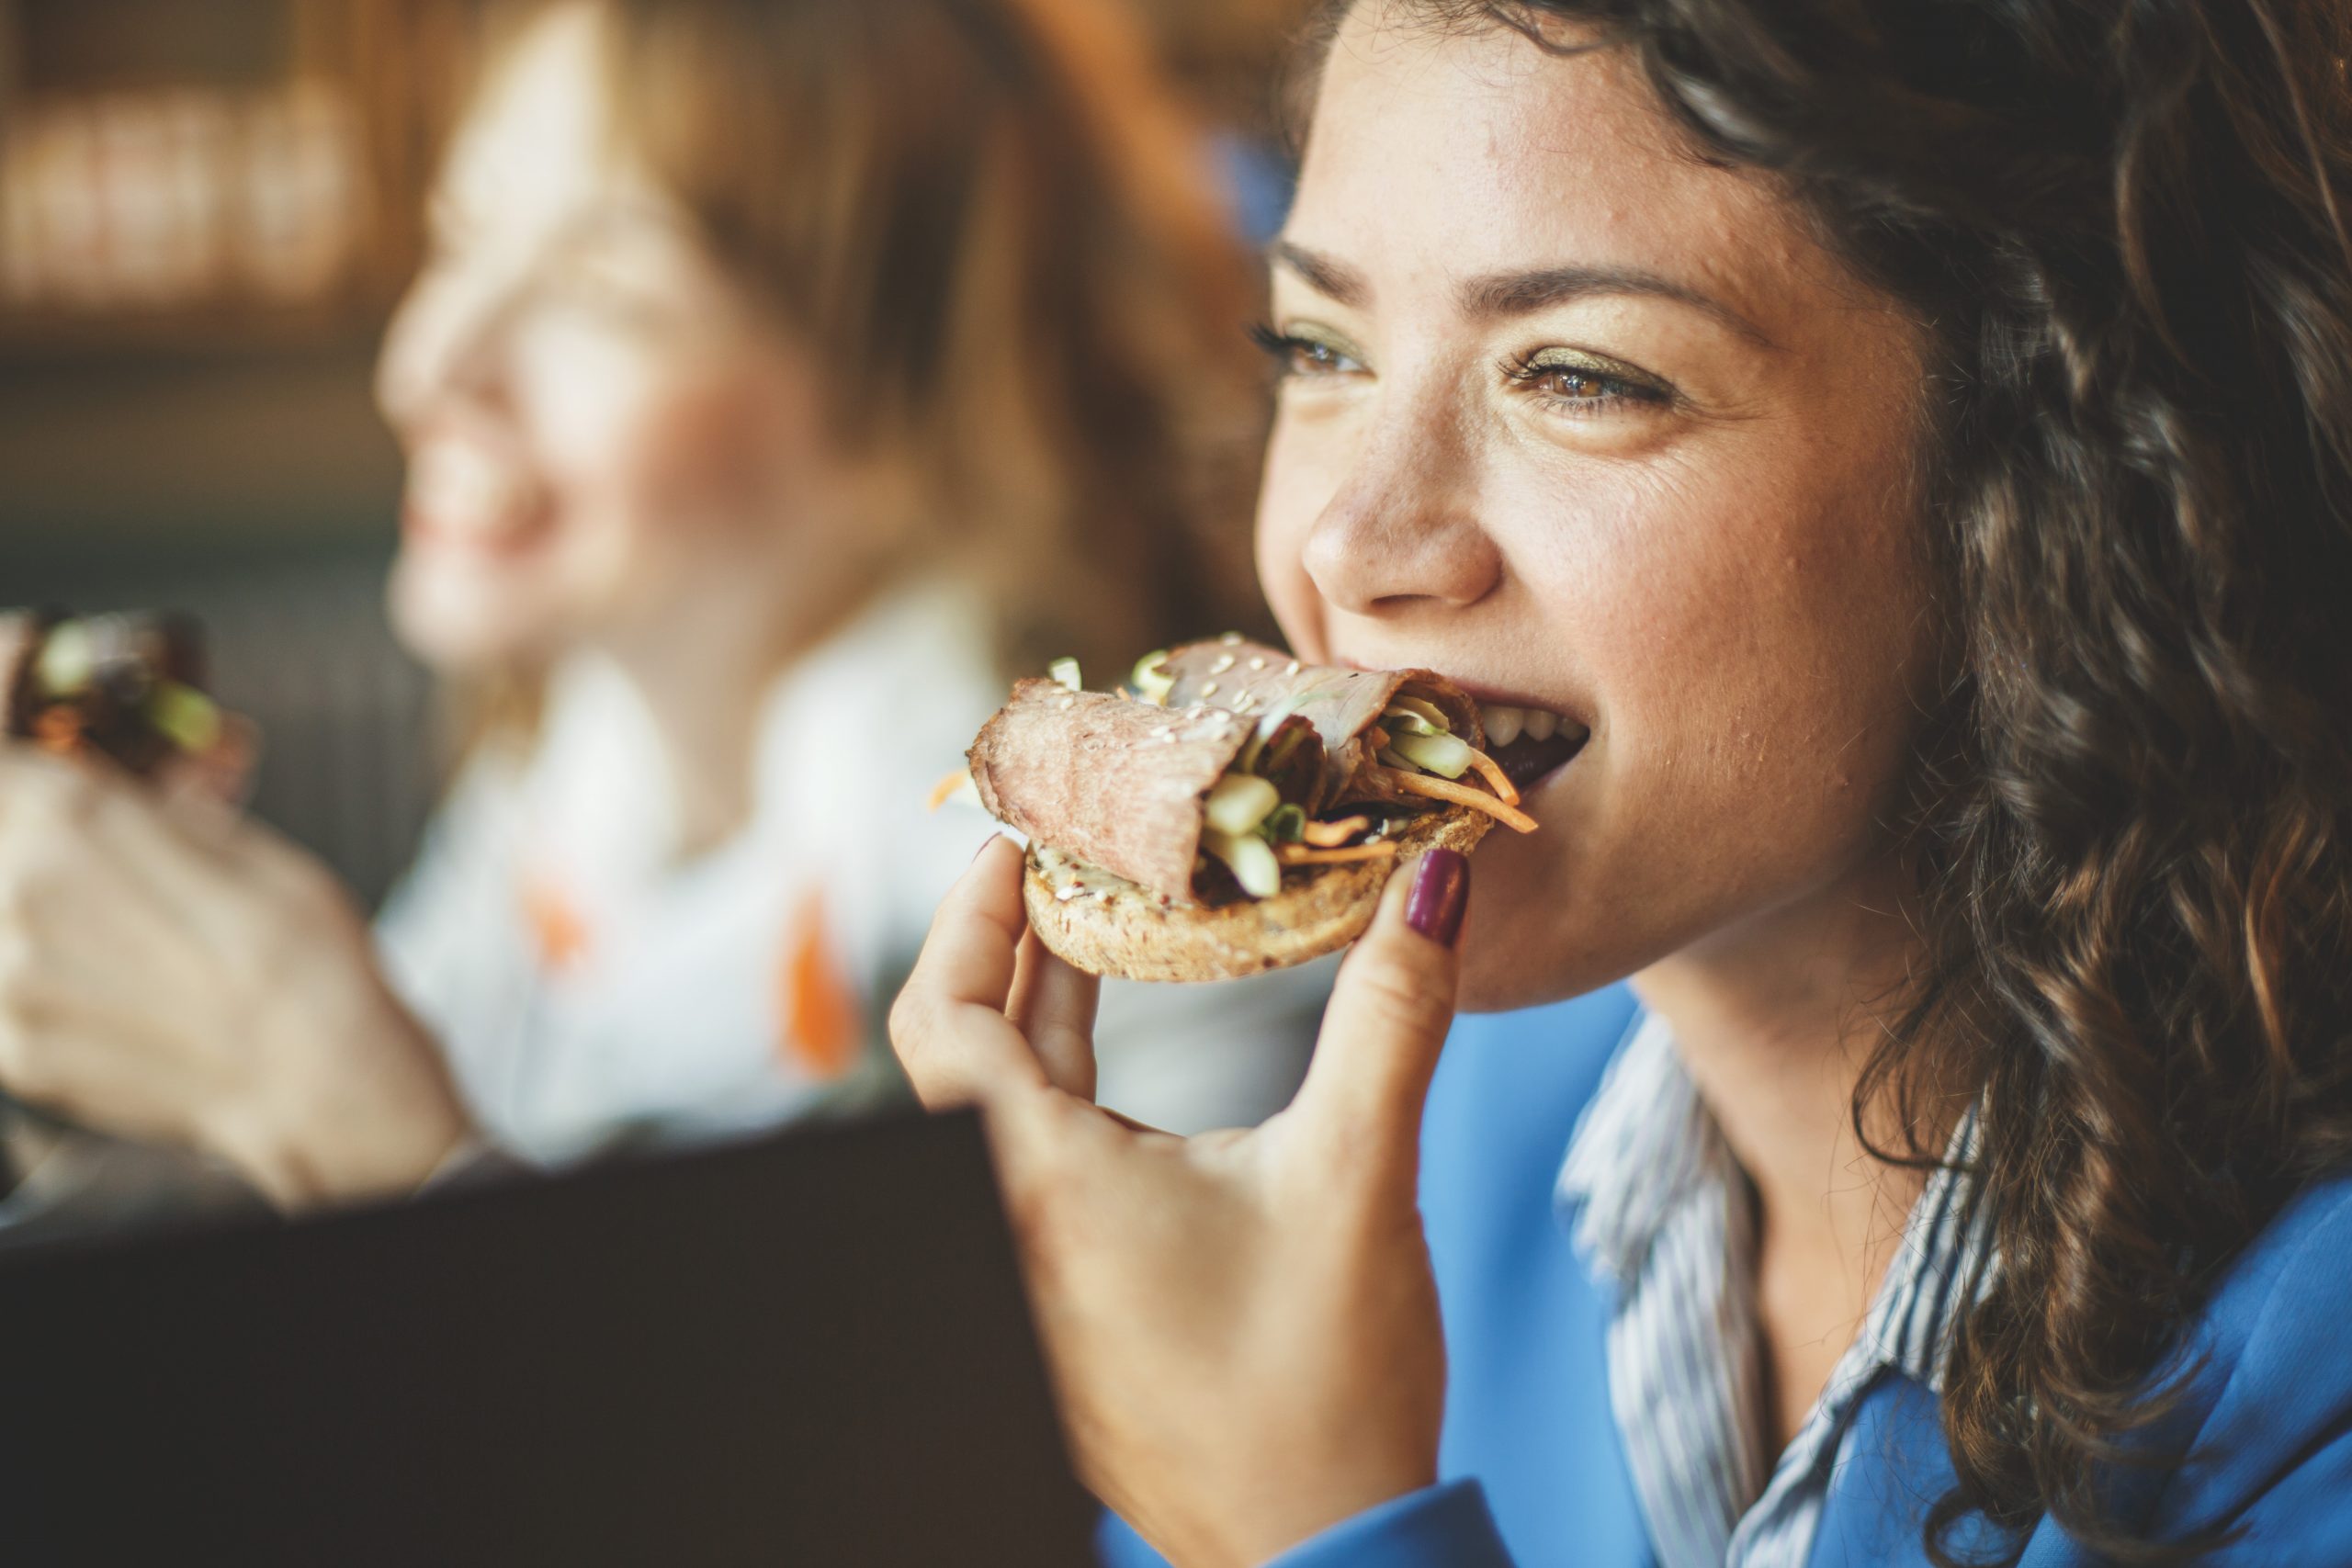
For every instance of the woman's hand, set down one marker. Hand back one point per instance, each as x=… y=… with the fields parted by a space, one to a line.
x=173 y=972
x=1242 y=1327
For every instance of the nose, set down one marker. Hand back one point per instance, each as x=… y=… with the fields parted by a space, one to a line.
x=1402 y=529
x=443 y=343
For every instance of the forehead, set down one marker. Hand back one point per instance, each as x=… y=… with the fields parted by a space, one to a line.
x=542 y=136
x=1440 y=151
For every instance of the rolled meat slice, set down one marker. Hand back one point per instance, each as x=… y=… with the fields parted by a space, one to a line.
x=1125 y=785
x=1344 y=706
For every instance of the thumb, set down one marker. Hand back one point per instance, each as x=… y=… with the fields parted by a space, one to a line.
x=1388 y=1017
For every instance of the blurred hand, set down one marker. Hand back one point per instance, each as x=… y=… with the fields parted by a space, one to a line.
x=172 y=972
x=16 y=635
x=1242 y=1327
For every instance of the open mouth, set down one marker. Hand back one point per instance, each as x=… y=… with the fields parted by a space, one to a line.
x=1528 y=743
x=462 y=498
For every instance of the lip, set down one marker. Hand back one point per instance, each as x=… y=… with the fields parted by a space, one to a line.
x=501 y=543
x=1496 y=696
x=1491 y=696
x=471 y=491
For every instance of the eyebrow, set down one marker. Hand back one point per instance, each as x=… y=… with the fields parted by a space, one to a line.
x=1327 y=276
x=1519 y=293
x=1516 y=293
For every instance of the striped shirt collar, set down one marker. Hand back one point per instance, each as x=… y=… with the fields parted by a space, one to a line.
x=1662 y=1213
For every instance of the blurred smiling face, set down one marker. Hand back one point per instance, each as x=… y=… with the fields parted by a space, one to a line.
x=603 y=433
x=1597 y=429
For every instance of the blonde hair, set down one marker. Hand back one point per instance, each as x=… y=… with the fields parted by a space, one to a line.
x=990 y=225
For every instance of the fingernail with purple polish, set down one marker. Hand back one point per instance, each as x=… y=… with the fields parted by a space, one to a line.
x=1441 y=892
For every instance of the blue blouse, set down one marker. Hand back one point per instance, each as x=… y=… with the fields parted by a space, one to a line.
x=1534 y=1467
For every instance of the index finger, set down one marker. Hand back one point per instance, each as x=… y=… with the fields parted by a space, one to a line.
x=948 y=1024
x=1388 y=1017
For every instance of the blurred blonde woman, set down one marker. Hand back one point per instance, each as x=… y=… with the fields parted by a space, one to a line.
x=784 y=376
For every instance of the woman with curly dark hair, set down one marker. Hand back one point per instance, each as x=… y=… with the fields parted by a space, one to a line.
x=1910 y=443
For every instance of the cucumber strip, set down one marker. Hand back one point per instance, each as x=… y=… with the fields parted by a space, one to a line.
x=1250 y=858
x=1403 y=721
x=185 y=717
x=1065 y=672
x=68 y=660
x=1149 y=681
x=1427 y=712
x=1440 y=754
x=1268 y=723
x=1239 y=801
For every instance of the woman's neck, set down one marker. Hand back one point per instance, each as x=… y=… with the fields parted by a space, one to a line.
x=704 y=712
x=703 y=680
x=1774 y=1022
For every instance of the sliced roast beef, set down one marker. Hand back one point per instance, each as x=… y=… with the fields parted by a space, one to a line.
x=1253 y=680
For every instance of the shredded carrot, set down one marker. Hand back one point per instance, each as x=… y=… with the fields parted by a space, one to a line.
x=1299 y=854
x=1377 y=739
x=949 y=786
x=1462 y=794
x=1331 y=835
x=1495 y=776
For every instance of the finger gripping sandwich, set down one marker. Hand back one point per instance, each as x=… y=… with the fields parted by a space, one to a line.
x=1233 y=810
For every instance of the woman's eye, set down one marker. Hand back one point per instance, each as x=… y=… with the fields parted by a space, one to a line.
x=1294 y=355
x=1584 y=386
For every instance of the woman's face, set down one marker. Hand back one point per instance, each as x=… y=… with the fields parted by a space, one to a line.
x=1595 y=428
x=603 y=433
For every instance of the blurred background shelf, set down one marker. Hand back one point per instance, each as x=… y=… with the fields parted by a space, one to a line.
x=206 y=211
x=191 y=171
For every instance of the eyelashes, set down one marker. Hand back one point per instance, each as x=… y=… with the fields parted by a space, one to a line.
x=1569 y=382
x=1582 y=385
x=1294 y=354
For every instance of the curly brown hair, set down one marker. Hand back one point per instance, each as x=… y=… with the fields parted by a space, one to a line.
x=2120 y=225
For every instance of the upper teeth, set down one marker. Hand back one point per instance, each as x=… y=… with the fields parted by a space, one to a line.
x=1504 y=725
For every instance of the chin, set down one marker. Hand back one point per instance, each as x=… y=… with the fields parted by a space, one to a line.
x=1500 y=973
x=460 y=623
x=1524 y=942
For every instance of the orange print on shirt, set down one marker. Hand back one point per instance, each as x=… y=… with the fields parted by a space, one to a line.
x=558 y=930
x=824 y=1026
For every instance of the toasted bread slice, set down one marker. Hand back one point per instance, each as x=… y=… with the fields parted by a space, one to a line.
x=1110 y=926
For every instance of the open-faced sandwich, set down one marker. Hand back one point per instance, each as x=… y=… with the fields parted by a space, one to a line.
x=1231 y=810
x=129 y=687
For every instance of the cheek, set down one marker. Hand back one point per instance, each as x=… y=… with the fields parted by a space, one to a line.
x=1752 y=665
x=1758 y=651
x=713 y=455
x=1301 y=477
x=649 y=460
x=1763 y=624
